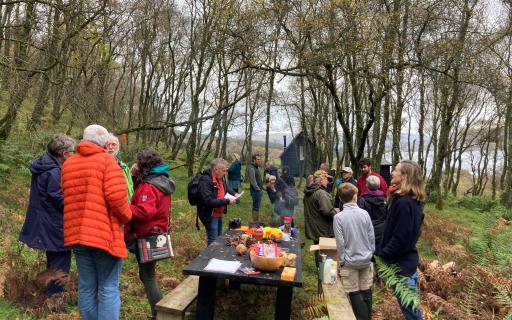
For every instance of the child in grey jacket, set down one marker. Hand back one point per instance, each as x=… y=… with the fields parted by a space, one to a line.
x=355 y=242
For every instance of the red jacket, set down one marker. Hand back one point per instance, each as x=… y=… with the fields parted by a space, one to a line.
x=363 y=188
x=150 y=207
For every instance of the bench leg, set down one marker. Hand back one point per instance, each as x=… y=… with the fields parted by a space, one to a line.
x=206 y=298
x=284 y=303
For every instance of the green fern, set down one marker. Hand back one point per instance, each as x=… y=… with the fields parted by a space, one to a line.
x=397 y=283
x=315 y=307
x=469 y=296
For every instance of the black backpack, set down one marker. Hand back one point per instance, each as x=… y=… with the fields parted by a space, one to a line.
x=194 y=198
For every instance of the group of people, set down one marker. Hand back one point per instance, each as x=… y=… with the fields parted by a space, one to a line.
x=92 y=204
x=366 y=221
x=279 y=186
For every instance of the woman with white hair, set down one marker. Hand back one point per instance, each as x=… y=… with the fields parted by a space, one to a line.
x=43 y=224
x=375 y=204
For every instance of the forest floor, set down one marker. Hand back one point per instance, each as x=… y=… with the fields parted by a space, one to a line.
x=470 y=233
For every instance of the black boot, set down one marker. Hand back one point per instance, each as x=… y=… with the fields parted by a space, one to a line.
x=359 y=305
x=367 y=297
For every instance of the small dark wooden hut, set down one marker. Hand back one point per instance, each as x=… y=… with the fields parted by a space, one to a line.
x=294 y=156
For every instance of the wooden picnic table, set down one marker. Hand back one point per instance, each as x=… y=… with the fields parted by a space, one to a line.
x=208 y=279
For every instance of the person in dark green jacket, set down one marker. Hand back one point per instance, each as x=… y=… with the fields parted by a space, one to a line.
x=318 y=208
x=112 y=147
x=234 y=173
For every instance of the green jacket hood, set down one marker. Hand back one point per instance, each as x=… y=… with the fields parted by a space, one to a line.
x=309 y=190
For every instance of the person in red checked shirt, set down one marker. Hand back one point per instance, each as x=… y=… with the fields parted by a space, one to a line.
x=150 y=213
x=365 y=167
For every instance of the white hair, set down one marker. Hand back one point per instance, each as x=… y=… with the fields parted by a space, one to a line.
x=112 y=136
x=218 y=162
x=97 y=134
x=373 y=182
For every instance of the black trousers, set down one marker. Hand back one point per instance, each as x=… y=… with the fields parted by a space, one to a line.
x=60 y=260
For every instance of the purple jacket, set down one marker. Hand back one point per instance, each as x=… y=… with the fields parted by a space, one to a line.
x=43 y=224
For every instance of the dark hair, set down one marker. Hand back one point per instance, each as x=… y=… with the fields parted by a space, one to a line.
x=254 y=156
x=147 y=159
x=347 y=191
x=365 y=162
x=59 y=144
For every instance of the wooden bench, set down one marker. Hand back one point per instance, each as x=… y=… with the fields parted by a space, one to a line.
x=336 y=299
x=338 y=304
x=173 y=305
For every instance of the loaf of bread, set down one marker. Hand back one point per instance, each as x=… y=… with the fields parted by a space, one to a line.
x=288 y=274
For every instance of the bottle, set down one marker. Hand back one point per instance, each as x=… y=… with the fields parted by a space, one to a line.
x=288 y=224
x=321 y=265
x=333 y=273
x=328 y=266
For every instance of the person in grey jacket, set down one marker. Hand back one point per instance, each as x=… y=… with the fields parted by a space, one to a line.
x=355 y=242
x=256 y=183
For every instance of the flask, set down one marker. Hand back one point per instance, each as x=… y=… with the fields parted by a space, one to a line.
x=321 y=265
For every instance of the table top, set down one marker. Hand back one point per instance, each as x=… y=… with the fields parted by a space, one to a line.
x=219 y=250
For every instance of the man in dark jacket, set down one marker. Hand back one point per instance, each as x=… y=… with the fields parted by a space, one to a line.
x=212 y=189
x=256 y=185
x=318 y=208
x=375 y=204
x=43 y=224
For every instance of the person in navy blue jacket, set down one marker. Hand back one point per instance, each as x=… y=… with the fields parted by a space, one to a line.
x=43 y=223
x=402 y=227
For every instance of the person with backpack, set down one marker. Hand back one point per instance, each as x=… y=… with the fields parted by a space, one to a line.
x=375 y=204
x=207 y=190
x=288 y=198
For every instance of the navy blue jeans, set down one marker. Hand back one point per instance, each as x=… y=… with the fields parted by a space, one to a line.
x=214 y=230
x=408 y=312
x=98 y=283
x=256 y=199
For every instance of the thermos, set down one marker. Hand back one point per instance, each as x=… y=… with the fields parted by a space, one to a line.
x=321 y=265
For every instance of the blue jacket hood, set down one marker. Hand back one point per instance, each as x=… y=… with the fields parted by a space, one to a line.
x=44 y=163
x=160 y=169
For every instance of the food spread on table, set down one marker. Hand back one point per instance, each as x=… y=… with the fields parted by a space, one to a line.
x=261 y=244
